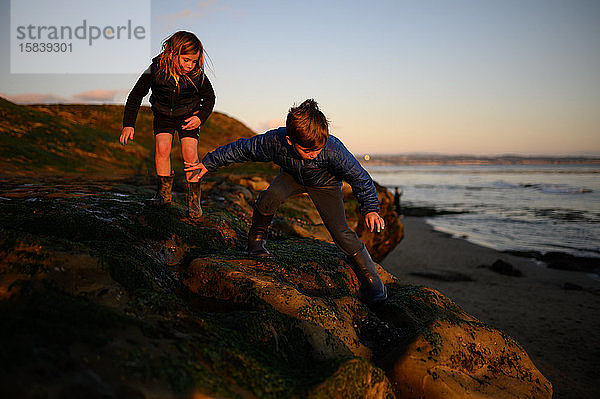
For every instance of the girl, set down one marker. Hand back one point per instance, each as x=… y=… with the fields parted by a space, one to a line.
x=182 y=99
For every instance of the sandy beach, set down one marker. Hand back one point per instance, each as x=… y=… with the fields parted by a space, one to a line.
x=554 y=314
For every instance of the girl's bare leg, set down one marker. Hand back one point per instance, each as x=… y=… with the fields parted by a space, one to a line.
x=162 y=158
x=189 y=151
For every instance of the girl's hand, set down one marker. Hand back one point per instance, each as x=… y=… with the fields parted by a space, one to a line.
x=126 y=135
x=374 y=221
x=191 y=123
x=198 y=169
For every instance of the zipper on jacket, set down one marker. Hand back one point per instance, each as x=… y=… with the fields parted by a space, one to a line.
x=172 y=102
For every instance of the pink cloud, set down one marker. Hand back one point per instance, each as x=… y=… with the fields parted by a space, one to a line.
x=262 y=127
x=90 y=96
x=35 y=98
x=99 y=95
x=200 y=10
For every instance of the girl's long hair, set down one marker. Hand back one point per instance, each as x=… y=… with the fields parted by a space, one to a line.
x=179 y=43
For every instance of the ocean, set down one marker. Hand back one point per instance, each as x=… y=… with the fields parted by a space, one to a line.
x=543 y=208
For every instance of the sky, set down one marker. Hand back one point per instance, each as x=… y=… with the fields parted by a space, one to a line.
x=478 y=77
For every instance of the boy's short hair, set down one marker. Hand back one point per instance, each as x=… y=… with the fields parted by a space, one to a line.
x=307 y=126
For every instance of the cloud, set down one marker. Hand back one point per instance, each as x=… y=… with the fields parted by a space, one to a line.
x=35 y=98
x=262 y=127
x=99 y=95
x=200 y=10
x=90 y=96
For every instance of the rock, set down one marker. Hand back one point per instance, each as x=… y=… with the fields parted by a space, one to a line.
x=160 y=307
x=426 y=211
x=295 y=290
x=355 y=378
x=104 y=297
x=179 y=308
x=563 y=261
x=466 y=359
x=381 y=244
x=505 y=268
x=525 y=254
x=449 y=354
x=572 y=287
x=436 y=350
x=255 y=183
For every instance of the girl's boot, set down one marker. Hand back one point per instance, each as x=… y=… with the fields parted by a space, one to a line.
x=163 y=192
x=257 y=236
x=367 y=274
x=193 y=200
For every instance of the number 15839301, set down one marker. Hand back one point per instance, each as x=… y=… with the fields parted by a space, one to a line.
x=44 y=47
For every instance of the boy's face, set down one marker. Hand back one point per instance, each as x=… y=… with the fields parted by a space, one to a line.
x=187 y=62
x=305 y=153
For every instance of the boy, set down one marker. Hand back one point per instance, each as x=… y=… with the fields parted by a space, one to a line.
x=315 y=162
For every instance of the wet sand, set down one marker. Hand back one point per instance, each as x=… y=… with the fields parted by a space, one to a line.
x=554 y=314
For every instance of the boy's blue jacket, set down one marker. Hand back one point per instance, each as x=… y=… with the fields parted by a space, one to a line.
x=333 y=164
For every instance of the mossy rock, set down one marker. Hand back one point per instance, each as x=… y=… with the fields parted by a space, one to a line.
x=101 y=296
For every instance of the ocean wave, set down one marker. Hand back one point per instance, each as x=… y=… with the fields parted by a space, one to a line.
x=545 y=188
x=562 y=214
x=540 y=235
x=503 y=185
x=523 y=211
x=563 y=189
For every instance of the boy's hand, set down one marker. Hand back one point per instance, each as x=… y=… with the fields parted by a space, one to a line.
x=126 y=134
x=374 y=221
x=197 y=168
x=191 y=123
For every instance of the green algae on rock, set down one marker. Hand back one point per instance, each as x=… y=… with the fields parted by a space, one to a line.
x=103 y=297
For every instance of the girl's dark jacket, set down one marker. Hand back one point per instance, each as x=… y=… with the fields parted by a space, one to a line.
x=333 y=164
x=169 y=100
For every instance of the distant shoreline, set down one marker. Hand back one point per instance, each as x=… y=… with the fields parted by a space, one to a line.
x=438 y=159
x=552 y=259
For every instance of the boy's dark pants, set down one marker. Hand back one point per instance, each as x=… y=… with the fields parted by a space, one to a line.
x=329 y=201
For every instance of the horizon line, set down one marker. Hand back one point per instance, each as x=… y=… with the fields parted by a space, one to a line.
x=425 y=154
x=357 y=155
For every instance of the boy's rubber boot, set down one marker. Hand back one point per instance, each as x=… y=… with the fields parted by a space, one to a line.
x=257 y=236
x=193 y=200
x=163 y=192
x=367 y=274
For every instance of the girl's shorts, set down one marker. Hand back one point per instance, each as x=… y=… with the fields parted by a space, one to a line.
x=164 y=124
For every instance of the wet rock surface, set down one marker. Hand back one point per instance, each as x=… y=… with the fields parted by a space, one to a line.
x=563 y=261
x=102 y=296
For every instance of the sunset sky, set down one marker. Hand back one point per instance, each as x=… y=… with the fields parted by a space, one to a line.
x=443 y=76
